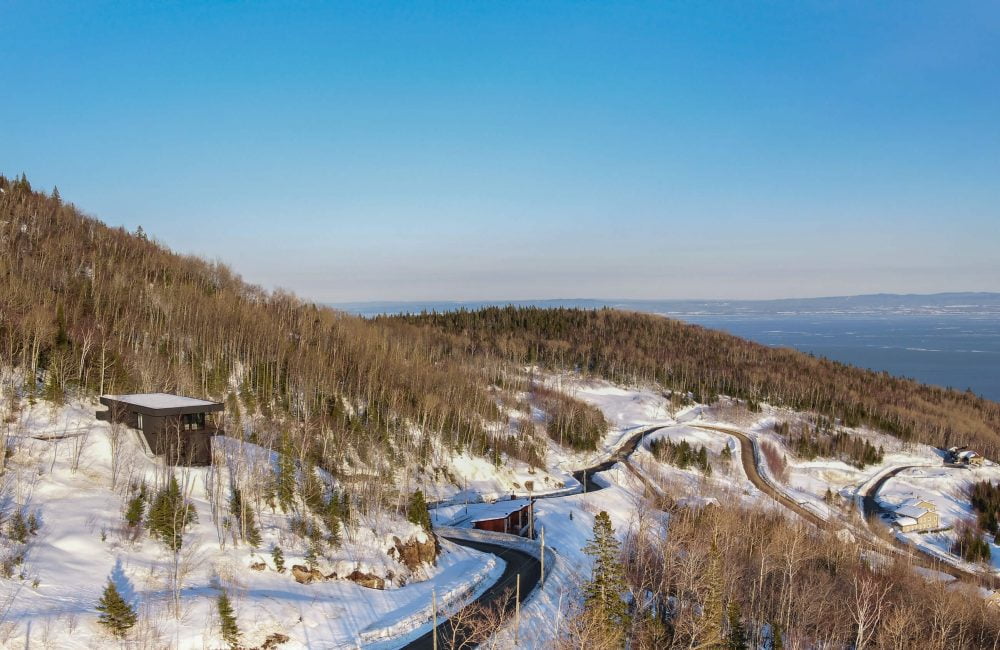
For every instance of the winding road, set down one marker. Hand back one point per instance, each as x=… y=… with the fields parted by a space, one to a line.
x=518 y=562
x=870 y=508
x=528 y=566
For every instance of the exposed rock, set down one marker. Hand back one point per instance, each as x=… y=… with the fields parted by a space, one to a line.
x=258 y=566
x=304 y=576
x=273 y=641
x=413 y=553
x=366 y=580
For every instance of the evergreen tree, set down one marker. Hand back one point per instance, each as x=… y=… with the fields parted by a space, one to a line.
x=312 y=490
x=278 y=556
x=230 y=630
x=135 y=511
x=603 y=594
x=18 y=529
x=169 y=515
x=243 y=514
x=777 y=640
x=417 y=511
x=115 y=614
x=333 y=524
x=312 y=555
x=285 y=488
x=737 y=635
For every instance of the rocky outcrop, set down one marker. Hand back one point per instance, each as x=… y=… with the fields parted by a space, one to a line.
x=258 y=566
x=273 y=641
x=303 y=575
x=413 y=552
x=366 y=580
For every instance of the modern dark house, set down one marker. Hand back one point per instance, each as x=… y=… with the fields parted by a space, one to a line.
x=512 y=517
x=178 y=428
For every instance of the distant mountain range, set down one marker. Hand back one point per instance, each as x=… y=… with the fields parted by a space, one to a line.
x=964 y=303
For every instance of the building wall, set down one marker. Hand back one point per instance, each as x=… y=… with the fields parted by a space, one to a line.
x=166 y=438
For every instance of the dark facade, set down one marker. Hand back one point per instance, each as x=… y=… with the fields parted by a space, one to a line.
x=179 y=429
x=516 y=522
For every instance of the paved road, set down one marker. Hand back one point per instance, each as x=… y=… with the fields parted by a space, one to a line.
x=501 y=593
x=749 y=461
x=518 y=562
x=869 y=505
x=586 y=476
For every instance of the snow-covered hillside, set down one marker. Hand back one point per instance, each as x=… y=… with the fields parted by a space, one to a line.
x=61 y=468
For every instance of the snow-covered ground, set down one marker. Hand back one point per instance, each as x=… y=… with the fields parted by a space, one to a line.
x=61 y=470
x=946 y=488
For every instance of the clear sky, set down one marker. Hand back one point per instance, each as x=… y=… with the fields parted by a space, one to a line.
x=503 y=150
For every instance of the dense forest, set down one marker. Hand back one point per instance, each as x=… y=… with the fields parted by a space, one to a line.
x=631 y=347
x=87 y=309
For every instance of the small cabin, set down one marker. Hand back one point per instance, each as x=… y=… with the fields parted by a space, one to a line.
x=178 y=428
x=512 y=517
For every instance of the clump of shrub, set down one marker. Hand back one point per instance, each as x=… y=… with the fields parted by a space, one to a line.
x=969 y=543
x=571 y=423
x=985 y=498
x=776 y=461
x=681 y=454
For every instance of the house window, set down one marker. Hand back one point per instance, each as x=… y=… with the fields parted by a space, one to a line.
x=138 y=420
x=193 y=421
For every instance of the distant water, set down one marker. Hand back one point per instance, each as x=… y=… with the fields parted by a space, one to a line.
x=950 y=340
x=956 y=351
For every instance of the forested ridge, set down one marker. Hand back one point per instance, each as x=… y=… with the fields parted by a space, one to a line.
x=631 y=347
x=87 y=309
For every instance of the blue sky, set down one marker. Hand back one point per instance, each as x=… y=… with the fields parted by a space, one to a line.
x=503 y=150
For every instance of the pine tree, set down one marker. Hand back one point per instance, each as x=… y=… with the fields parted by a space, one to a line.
x=603 y=594
x=777 y=640
x=312 y=555
x=230 y=630
x=116 y=614
x=278 y=556
x=286 y=478
x=312 y=490
x=737 y=635
x=243 y=514
x=18 y=529
x=134 y=512
x=169 y=515
x=417 y=511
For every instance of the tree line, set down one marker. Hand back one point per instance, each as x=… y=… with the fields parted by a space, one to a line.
x=633 y=347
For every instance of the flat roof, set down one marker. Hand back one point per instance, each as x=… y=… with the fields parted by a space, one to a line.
x=163 y=403
x=499 y=510
x=906 y=521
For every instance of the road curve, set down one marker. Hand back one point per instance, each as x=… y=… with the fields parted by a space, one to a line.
x=501 y=593
x=518 y=562
x=749 y=461
x=869 y=505
x=872 y=510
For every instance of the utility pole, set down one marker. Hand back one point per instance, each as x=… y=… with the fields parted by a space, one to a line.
x=434 y=608
x=543 y=554
x=517 y=610
x=531 y=517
